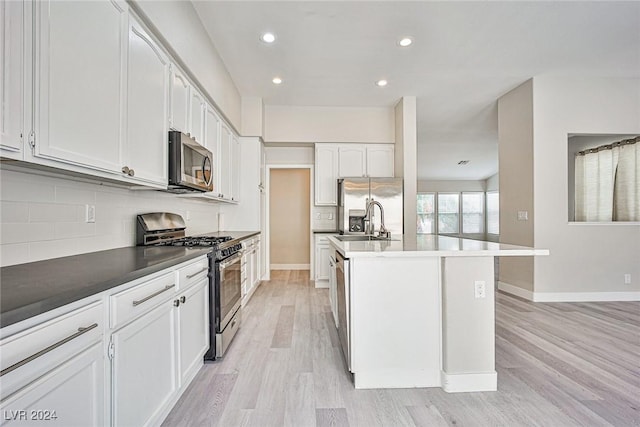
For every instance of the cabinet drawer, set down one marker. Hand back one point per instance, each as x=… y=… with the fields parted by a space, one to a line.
x=193 y=273
x=132 y=302
x=33 y=352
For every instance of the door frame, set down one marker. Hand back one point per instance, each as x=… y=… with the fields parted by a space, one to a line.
x=267 y=231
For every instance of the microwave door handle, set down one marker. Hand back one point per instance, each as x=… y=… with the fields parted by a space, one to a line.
x=204 y=170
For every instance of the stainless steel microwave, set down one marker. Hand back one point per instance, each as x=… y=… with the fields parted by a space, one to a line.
x=190 y=164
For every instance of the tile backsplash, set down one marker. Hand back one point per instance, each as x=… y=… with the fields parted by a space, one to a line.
x=43 y=217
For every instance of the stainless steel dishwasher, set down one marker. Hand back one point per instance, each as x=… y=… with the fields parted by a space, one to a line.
x=342 y=279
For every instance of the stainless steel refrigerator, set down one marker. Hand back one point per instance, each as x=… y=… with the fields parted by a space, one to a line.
x=354 y=194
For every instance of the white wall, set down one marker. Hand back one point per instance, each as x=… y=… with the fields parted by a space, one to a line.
x=252 y=116
x=328 y=124
x=584 y=258
x=289 y=155
x=515 y=150
x=454 y=186
x=42 y=217
x=492 y=183
x=178 y=24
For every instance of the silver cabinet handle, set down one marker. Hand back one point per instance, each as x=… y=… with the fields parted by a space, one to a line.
x=131 y=172
x=125 y=170
x=176 y=303
x=189 y=276
x=147 y=298
x=42 y=352
x=183 y=299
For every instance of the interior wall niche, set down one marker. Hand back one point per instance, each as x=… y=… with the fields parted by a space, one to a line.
x=581 y=142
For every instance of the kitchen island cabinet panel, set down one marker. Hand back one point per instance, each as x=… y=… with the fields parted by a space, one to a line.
x=79 y=79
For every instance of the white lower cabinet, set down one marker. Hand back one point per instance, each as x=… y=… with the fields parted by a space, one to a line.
x=322 y=250
x=144 y=367
x=250 y=272
x=125 y=367
x=54 y=372
x=72 y=394
x=333 y=287
x=193 y=329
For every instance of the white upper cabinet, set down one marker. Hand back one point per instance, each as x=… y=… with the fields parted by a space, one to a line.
x=79 y=99
x=11 y=78
x=179 y=114
x=352 y=160
x=380 y=160
x=147 y=106
x=198 y=107
x=225 y=162
x=235 y=168
x=212 y=142
x=326 y=174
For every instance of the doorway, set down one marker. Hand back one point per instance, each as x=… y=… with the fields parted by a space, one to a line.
x=289 y=218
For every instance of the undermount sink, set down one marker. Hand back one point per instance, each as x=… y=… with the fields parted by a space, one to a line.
x=359 y=238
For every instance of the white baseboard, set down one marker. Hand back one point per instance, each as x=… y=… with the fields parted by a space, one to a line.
x=396 y=378
x=515 y=290
x=464 y=383
x=569 y=296
x=290 y=266
x=321 y=283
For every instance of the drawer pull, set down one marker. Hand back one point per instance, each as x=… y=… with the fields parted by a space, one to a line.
x=48 y=349
x=189 y=276
x=147 y=298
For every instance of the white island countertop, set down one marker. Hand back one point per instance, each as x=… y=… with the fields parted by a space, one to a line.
x=429 y=245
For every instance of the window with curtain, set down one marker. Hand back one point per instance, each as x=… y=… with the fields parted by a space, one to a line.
x=607 y=182
x=426 y=213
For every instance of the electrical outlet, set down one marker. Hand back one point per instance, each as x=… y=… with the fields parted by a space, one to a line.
x=523 y=216
x=89 y=213
x=330 y=215
x=480 y=289
x=627 y=279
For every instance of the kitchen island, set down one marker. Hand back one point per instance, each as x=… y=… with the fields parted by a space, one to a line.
x=420 y=311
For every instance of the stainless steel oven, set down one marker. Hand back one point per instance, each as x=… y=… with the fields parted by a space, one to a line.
x=225 y=268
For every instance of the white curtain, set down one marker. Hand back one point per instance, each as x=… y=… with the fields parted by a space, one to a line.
x=608 y=184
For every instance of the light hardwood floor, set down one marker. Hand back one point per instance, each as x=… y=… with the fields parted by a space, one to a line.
x=559 y=364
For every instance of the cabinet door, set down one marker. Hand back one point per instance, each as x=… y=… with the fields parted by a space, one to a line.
x=198 y=107
x=179 y=115
x=326 y=175
x=352 y=161
x=225 y=161
x=380 y=161
x=144 y=367
x=322 y=261
x=71 y=394
x=193 y=329
x=147 y=107
x=235 y=168
x=80 y=51
x=212 y=142
x=333 y=290
x=11 y=78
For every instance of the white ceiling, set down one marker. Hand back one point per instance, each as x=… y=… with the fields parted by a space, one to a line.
x=465 y=56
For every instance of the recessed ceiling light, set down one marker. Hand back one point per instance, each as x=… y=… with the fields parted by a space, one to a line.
x=463 y=162
x=381 y=83
x=268 y=37
x=405 y=41
x=277 y=80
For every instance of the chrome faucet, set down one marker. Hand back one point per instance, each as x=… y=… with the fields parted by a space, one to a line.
x=383 y=231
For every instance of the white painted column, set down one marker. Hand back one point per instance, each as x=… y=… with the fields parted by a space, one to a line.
x=468 y=325
x=405 y=158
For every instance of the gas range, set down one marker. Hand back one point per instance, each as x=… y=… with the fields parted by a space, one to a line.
x=167 y=229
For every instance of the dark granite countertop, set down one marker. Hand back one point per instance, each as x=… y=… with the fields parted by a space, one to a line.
x=27 y=290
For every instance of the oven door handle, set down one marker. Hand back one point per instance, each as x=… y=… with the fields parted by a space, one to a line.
x=231 y=260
